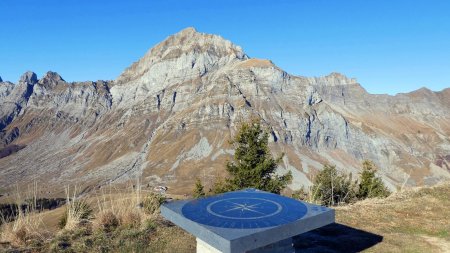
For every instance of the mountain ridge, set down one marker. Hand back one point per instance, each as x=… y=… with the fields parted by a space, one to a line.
x=165 y=119
x=267 y=63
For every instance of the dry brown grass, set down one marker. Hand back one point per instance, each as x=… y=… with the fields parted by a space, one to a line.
x=132 y=219
x=169 y=239
x=257 y=63
x=121 y=208
x=107 y=221
x=27 y=226
x=77 y=210
x=115 y=213
x=415 y=220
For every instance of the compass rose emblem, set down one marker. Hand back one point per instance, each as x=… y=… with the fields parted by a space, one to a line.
x=244 y=208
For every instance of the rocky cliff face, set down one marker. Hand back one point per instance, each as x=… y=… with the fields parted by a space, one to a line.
x=167 y=119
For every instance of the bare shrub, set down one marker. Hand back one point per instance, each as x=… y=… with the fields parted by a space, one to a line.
x=108 y=221
x=133 y=219
x=152 y=202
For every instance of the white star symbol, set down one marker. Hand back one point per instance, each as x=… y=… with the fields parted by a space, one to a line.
x=243 y=207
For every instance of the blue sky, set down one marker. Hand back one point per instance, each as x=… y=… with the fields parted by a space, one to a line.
x=389 y=46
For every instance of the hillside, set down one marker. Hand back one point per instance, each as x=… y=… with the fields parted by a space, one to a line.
x=414 y=220
x=167 y=118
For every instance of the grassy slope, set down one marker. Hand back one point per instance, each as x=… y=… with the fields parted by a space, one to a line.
x=414 y=221
x=411 y=221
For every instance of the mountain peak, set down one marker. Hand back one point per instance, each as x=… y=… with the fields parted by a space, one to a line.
x=51 y=79
x=185 y=49
x=422 y=92
x=337 y=75
x=188 y=30
x=425 y=89
x=333 y=79
x=28 y=77
x=190 y=40
x=53 y=76
x=1 y=80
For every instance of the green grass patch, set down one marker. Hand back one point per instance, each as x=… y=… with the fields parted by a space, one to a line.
x=443 y=234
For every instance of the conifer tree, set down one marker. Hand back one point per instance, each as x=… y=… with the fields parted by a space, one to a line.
x=253 y=165
x=199 y=190
x=370 y=185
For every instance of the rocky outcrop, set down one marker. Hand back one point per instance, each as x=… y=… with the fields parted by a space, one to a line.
x=16 y=98
x=167 y=118
x=80 y=101
x=5 y=89
x=51 y=80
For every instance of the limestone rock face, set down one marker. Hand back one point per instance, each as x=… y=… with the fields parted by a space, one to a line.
x=79 y=101
x=28 y=77
x=50 y=80
x=182 y=57
x=5 y=89
x=168 y=117
x=15 y=98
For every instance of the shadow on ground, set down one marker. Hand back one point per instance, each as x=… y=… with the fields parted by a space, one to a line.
x=336 y=238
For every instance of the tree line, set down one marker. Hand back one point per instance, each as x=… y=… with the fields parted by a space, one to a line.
x=253 y=166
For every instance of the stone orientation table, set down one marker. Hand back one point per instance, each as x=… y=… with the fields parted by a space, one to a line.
x=246 y=221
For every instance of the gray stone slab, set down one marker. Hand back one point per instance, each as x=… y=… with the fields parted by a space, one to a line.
x=245 y=220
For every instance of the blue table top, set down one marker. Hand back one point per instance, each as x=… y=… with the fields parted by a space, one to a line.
x=244 y=220
x=247 y=209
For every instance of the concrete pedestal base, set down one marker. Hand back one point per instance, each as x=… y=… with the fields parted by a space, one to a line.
x=203 y=247
x=284 y=246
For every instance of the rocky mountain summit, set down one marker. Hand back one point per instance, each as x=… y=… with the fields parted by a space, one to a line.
x=167 y=118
